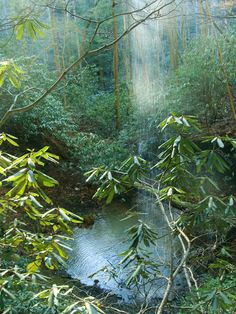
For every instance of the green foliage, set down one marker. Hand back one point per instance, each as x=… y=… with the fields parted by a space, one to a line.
x=199 y=85
x=29 y=298
x=18 y=289
x=32 y=26
x=56 y=295
x=29 y=227
x=216 y=295
x=89 y=150
x=9 y=70
x=142 y=266
x=78 y=119
x=82 y=132
x=185 y=178
x=117 y=181
x=137 y=262
x=182 y=160
x=92 y=102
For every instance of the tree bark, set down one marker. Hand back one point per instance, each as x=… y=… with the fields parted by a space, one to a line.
x=54 y=39
x=201 y=13
x=116 y=70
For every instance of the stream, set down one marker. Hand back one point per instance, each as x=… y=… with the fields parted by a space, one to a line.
x=99 y=246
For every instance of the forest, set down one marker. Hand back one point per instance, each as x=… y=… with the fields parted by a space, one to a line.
x=118 y=157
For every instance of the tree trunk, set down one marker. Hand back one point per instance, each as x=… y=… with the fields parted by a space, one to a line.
x=184 y=33
x=64 y=56
x=54 y=39
x=228 y=85
x=126 y=58
x=201 y=13
x=77 y=31
x=173 y=43
x=116 y=71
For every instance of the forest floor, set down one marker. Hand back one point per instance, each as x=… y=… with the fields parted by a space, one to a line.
x=74 y=194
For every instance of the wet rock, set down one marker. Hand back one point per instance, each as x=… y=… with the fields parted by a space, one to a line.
x=88 y=221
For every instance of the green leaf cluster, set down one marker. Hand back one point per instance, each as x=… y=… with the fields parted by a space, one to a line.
x=9 y=70
x=30 y=228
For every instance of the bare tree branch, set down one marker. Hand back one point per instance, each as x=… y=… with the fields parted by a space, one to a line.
x=87 y=53
x=173 y=273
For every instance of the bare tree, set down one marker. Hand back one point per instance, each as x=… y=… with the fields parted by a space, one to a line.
x=89 y=51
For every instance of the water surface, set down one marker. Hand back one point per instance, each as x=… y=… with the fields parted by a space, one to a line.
x=99 y=246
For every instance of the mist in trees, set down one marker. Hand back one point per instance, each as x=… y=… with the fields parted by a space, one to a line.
x=126 y=103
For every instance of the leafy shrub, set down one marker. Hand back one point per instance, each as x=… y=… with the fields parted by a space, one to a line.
x=214 y=296
x=199 y=85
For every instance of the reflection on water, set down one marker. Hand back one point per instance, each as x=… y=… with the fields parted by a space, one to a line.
x=98 y=247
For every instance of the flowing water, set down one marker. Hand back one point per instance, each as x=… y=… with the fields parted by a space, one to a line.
x=155 y=47
x=99 y=246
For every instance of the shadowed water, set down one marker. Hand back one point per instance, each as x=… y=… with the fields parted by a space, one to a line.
x=100 y=245
x=155 y=47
